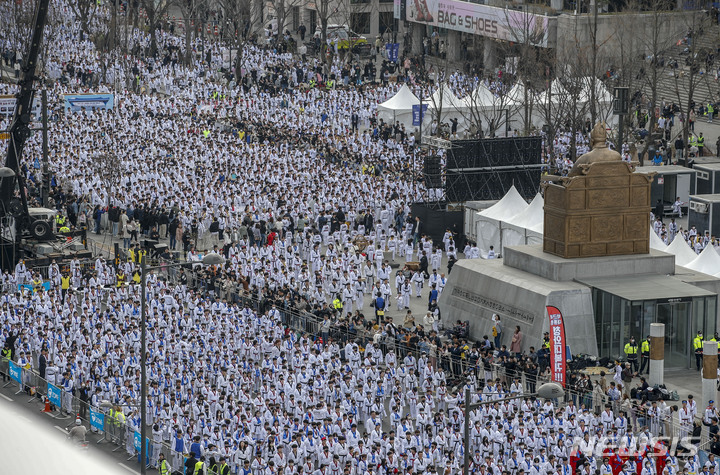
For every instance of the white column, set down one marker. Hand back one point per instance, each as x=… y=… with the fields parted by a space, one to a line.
x=709 y=372
x=657 y=353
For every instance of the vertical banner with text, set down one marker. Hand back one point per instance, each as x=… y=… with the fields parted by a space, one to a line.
x=15 y=372
x=557 y=346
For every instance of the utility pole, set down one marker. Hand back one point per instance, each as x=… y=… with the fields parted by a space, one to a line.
x=45 y=164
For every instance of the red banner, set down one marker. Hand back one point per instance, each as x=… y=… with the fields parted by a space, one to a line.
x=557 y=346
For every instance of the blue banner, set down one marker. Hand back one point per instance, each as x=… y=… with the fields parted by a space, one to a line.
x=15 y=372
x=417 y=115
x=78 y=102
x=54 y=395
x=136 y=441
x=393 y=51
x=30 y=289
x=97 y=419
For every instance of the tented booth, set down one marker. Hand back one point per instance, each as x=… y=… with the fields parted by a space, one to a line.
x=399 y=107
x=445 y=104
x=657 y=243
x=489 y=222
x=681 y=250
x=525 y=227
x=707 y=262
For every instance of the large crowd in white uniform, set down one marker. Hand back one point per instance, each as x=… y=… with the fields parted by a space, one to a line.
x=283 y=179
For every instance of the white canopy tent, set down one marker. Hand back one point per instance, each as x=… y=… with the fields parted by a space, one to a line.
x=601 y=92
x=707 y=262
x=519 y=228
x=481 y=96
x=489 y=222
x=656 y=242
x=399 y=107
x=682 y=252
x=445 y=103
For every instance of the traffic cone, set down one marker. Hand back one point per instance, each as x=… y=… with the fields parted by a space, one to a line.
x=47 y=405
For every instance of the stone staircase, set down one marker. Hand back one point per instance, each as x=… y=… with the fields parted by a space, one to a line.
x=672 y=81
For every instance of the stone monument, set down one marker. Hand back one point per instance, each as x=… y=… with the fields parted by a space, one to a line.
x=601 y=208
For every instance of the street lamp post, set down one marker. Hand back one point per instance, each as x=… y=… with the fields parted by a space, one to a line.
x=209 y=259
x=546 y=391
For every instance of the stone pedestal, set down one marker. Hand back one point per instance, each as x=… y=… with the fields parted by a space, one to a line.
x=601 y=211
x=657 y=353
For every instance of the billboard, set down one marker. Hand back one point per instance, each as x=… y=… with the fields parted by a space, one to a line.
x=493 y=22
x=7 y=105
x=78 y=102
x=557 y=346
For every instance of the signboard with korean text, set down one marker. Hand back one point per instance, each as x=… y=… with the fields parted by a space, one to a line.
x=558 y=350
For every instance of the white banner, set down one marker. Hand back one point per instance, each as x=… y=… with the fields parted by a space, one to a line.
x=493 y=22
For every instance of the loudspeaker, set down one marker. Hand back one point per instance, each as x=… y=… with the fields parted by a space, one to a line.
x=432 y=172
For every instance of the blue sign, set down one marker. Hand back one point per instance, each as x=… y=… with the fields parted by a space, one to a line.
x=15 y=372
x=97 y=420
x=54 y=395
x=393 y=51
x=136 y=441
x=417 y=115
x=30 y=288
x=78 y=102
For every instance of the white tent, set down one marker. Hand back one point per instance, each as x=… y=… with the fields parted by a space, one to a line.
x=601 y=92
x=480 y=97
x=489 y=222
x=517 y=229
x=535 y=233
x=656 y=242
x=682 y=252
x=707 y=262
x=445 y=103
x=399 y=107
x=517 y=93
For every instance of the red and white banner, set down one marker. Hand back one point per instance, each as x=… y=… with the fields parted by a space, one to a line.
x=557 y=346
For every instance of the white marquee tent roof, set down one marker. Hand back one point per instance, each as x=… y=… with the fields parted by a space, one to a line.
x=656 y=242
x=707 y=262
x=489 y=221
x=601 y=92
x=531 y=216
x=480 y=97
x=402 y=101
x=445 y=98
x=683 y=254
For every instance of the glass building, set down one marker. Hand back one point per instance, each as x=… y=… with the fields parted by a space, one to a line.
x=626 y=307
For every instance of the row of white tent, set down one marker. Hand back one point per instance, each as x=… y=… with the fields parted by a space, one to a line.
x=399 y=108
x=707 y=262
x=513 y=222
x=510 y=222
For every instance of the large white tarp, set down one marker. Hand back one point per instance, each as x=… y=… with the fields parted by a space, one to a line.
x=489 y=222
x=517 y=229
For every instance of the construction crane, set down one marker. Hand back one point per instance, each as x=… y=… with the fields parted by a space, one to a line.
x=11 y=176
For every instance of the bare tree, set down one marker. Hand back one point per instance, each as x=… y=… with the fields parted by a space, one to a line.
x=240 y=23
x=688 y=77
x=155 y=10
x=85 y=11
